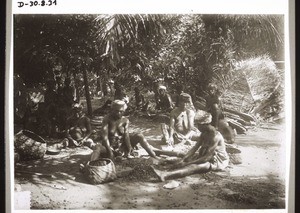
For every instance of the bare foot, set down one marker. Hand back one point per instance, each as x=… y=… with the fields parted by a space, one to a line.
x=159 y=174
x=158 y=161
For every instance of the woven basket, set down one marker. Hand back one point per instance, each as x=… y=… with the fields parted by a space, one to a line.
x=101 y=171
x=29 y=145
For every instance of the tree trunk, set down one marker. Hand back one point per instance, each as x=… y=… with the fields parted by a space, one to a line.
x=99 y=84
x=76 y=88
x=87 y=92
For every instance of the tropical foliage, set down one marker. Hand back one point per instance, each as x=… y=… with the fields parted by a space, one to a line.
x=192 y=50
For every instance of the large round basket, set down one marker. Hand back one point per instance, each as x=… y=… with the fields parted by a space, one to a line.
x=29 y=145
x=101 y=171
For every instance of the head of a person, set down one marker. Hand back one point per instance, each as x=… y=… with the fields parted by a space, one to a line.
x=207 y=129
x=78 y=110
x=162 y=90
x=212 y=88
x=203 y=122
x=184 y=101
x=118 y=108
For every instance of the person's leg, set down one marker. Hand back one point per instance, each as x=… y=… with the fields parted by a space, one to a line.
x=140 y=139
x=165 y=132
x=99 y=150
x=185 y=171
x=168 y=153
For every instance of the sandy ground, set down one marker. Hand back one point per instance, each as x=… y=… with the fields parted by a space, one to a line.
x=257 y=183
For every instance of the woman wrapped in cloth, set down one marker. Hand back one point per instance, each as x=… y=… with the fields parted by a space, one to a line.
x=181 y=126
x=208 y=154
x=116 y=140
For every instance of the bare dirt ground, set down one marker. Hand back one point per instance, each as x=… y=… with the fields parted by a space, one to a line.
x=257 y=183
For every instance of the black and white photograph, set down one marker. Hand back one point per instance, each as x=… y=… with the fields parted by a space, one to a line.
x=149 y=111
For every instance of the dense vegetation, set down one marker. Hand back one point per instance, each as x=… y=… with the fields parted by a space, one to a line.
x=192 y=50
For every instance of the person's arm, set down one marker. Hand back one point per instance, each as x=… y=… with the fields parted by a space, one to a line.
x=207 y=155
x=191 y=126
x=185 y=160
x=170 y=101
x=67 y=130
x=207 y=102
x=106 y=142
x=126 y=135
x=193 y=150
x=88 y=127
x=171 y=129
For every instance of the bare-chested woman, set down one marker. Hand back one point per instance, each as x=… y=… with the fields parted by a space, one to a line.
x=181 y=122
x=116 y=138
x=78 y=128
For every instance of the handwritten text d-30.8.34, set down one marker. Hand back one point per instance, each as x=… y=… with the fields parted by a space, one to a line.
x=36 y=3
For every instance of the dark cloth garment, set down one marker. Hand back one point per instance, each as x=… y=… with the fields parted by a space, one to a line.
x=68 y=95
x=211 y=100
x=177 y=99
x=50 y=97
x=164 y=102
x=31 y=120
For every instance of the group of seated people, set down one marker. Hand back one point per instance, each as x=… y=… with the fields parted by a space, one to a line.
x=208 y=153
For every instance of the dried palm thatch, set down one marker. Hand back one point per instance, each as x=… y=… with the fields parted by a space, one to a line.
x=253 y=83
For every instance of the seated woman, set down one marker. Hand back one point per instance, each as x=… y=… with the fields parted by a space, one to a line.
x=140 y=102
x=164 y=101
x=213 y=104
x=181 y=122
x=78 y=128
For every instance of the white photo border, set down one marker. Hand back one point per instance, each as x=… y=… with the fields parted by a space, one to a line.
x=281 y=7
